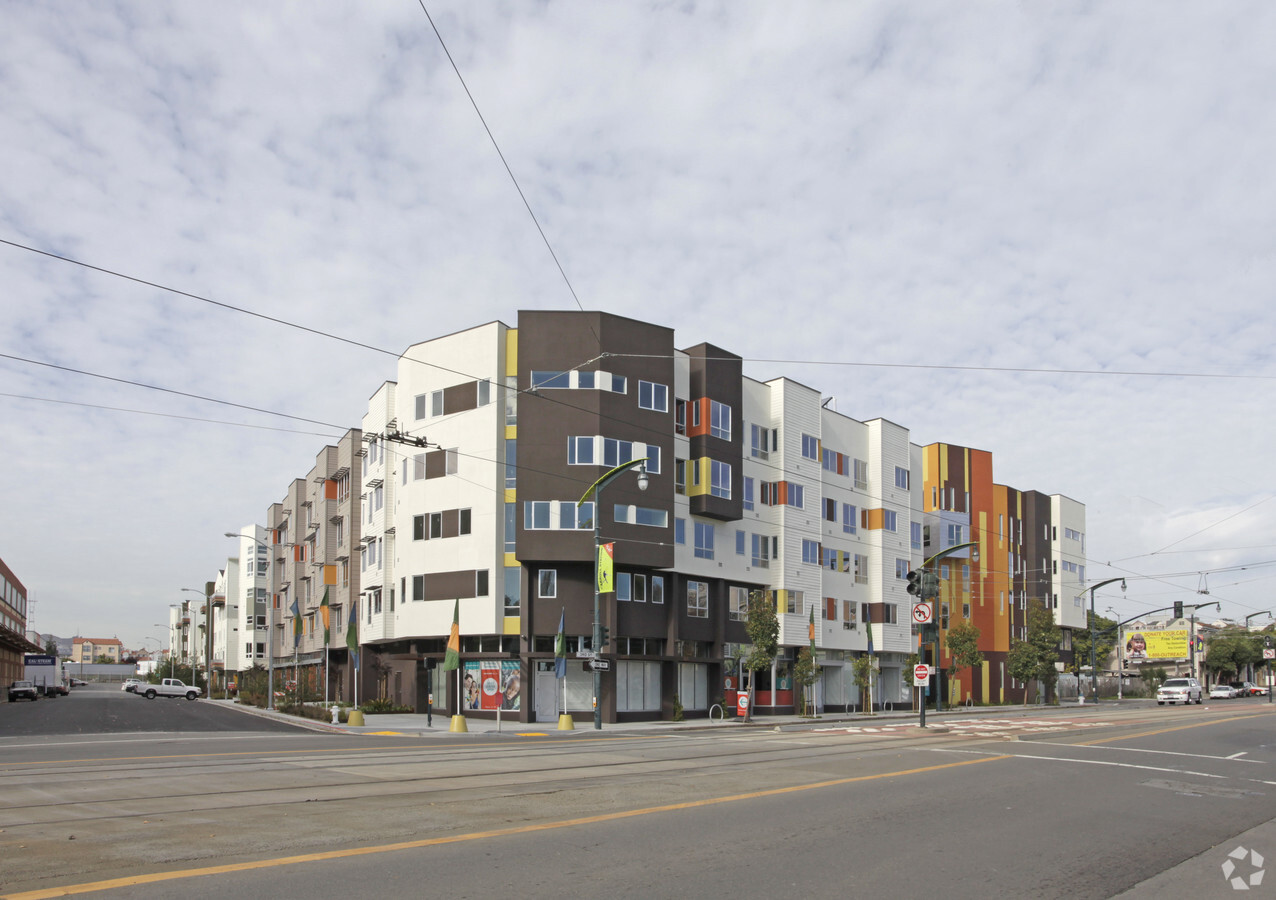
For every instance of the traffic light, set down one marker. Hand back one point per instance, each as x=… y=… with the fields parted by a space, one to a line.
x=1178 y=609
x=930 y=586
x=915 y=583
x=604 y=636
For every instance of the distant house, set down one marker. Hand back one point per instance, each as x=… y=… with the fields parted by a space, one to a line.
x=87 y=650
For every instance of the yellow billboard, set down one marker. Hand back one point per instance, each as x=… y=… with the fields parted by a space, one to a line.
x=1169 y=643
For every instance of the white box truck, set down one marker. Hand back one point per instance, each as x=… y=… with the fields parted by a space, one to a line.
x=45 y=672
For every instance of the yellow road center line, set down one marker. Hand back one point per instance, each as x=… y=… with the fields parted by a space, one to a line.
x=1126 y=737
x=133 y=880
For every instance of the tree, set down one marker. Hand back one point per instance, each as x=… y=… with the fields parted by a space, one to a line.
x=50 y=647
x=805 y=673
x=1035 y=658
x=1104 y=643
x=909 y=661
x=1230 y=652
x=863 y=670
x=962 y=641
x=763 y=628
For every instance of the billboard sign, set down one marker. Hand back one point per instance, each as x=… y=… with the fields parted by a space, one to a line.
x=1155 y=644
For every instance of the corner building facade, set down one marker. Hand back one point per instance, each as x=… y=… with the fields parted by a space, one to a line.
x=485 y=443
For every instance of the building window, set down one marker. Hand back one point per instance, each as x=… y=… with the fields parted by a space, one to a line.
x=810 y=447
x=811 y=552
x=848 y=518
x=915 y=533
x=719 y=420
x=861 y=475
x=720 y=479
x=698 y=599
x=748 y=492
x=657 y=589
x=547 y=583
x=680 y=416
x=680 y=531
x=901 y=478
x=795 y=495
x=861 y=569
x=418 y=588
x=738 y=604
x=761 y=551
x=641 y=515
x=901 y=568
x=889 y=520
x=419 y=404
x=436 y=403
x=418 y=528
x=741 y=539
x=653 y=396
x=704 y=540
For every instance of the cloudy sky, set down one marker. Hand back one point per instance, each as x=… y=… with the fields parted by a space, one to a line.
x=1043 y=230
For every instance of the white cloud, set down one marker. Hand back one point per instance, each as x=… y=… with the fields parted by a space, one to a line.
x=1000 y=185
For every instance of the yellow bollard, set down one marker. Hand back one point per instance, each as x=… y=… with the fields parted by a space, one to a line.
x=458 y=724
x=355 y=717
x=566 y=723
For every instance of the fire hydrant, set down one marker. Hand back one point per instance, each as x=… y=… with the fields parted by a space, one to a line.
x=336 y=715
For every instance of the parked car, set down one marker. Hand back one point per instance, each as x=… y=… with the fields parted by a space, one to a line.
x=131 y=685
x=23 y=690
x=1223 y=692
x=1247 y=689
x=75 y=682
x=1179 y=690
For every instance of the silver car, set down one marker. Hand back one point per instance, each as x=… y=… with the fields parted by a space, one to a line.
x=1179 y=690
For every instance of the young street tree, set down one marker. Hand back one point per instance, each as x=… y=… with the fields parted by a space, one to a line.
x=862 y=670
x=805 y=673
x=962 y=641
x=763 y=628
x=1035 y=658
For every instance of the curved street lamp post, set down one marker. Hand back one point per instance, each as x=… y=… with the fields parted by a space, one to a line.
x=596 y=642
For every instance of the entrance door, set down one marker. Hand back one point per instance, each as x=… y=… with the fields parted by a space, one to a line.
x=548 y=698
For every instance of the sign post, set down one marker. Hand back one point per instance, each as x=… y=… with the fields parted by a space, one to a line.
x=921 y=679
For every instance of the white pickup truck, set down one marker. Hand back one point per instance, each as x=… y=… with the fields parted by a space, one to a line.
x=169 y=687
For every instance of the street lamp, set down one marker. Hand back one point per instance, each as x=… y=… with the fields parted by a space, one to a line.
x=1094 y=674
x=270 y=621
x=596 y=642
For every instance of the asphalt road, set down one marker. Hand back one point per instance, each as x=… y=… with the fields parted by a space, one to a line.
x=1062 y=803
x=101 y=709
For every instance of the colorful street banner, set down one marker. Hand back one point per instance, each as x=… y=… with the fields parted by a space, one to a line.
x=352 y=633
x=560 y=646
x=452 y=658
x=606 y=568
x=1148 y=644
x=323 y=614
x=296 y=624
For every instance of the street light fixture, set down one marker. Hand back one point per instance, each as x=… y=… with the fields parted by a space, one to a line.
x=596 y=641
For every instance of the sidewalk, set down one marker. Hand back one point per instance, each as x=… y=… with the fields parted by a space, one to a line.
x=410 y=724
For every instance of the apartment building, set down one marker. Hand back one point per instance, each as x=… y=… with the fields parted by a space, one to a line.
x=469 y=491
x=1030 y=547
x=88 y=650
x=313 y=537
